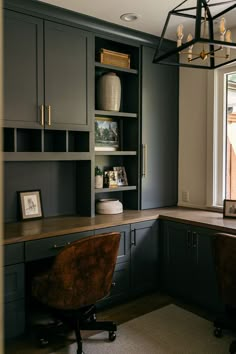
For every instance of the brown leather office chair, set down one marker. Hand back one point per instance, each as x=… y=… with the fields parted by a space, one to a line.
x=81 y=275
x=225 y=262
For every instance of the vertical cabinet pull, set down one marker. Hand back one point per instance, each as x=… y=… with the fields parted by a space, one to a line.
x=144 y=154
x=194 y=241
x=42 y=115
x=133 y=238
x=49 y=108
x=189 y=238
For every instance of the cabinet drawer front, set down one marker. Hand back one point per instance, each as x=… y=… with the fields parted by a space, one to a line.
x=124 y=248
x=49 y=247
x=14 y=253
x=14 y=282
x=14 y=319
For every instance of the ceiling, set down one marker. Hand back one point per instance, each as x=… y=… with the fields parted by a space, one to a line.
x=152 y=13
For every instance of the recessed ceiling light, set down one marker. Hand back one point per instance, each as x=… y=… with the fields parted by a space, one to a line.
x=129 y=17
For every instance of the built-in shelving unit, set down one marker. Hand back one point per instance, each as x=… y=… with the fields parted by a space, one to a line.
x=128 y=123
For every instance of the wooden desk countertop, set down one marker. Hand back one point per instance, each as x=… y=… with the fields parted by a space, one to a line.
x=56 y=226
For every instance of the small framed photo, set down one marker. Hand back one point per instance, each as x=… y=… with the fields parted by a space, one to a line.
x=106 y=134
x=110 y=179
x=121 y=176
x=229 y=208
x=30 y=205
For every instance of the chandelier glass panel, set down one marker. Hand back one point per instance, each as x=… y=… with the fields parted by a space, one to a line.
x=199 y=34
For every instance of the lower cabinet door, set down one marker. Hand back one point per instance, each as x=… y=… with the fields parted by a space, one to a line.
x=144 y=256
x=14 y=318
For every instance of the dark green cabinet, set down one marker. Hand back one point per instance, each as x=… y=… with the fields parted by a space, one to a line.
x=159 y=179
x=68 y=77
x=23 y=70
x=48 y=74
x=144 y=256
x=14 y=290
x=121 y=277
x=187 y=264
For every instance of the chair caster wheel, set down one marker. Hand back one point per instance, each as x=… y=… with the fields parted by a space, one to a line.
x=112 y=336
x=218 y=332
x=43 y=342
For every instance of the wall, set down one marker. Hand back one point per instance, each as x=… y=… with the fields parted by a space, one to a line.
x=192 y=136
x=193 y=143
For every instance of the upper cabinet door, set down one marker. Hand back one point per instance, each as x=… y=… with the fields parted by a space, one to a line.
x=23 y=70
x=159 y=133
x=67 y=77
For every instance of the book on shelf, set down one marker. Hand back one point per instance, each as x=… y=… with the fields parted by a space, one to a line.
x=105 y=148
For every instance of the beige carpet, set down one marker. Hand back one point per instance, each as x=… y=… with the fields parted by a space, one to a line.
x=169 y=330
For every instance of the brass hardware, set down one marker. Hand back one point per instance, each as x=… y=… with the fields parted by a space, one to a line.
x=144 y=165
x=61 y=246
x=49 y=108
x=42 y=114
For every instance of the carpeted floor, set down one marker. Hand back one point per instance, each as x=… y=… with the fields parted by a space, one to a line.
x=169 y=330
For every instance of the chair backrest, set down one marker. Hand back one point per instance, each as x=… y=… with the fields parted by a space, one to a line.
x=82 y=272
x=225 y=262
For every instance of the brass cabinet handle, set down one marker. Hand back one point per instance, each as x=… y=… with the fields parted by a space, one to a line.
x=42 y=114
x=144 y=165
x=61 y=246
x=49 y=108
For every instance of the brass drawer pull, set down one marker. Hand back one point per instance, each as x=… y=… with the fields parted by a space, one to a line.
x=49 y=108
x=42 y=114
x=60 y=246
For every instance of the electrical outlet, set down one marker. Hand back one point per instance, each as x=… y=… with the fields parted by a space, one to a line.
x=185 y=196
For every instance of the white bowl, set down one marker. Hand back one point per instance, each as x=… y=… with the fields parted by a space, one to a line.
x=109 y=206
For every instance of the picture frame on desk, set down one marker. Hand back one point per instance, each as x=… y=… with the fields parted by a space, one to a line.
x=106 y=134
x=229 y=210
x=30 y=204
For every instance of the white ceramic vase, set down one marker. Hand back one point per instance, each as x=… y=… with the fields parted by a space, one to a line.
x=98 y=181
x=109 y=92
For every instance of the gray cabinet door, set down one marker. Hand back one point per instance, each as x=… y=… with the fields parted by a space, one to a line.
x=144 y=256
x=67 y=77
x=176 y=259
x=159 y=133
x=187 y=264
x=23 y=70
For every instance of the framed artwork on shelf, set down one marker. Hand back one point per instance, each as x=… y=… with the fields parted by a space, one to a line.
x=30 y=204
x=106 y=134
x=229 y=208
x=121 y=176
x=110 y=179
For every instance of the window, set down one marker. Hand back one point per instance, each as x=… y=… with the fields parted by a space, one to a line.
x=230 y=84
x=221 y=160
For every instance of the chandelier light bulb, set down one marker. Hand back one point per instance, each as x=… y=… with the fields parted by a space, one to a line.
x=190 y=48
x=179 y=34
x=228 y=39
x=222 y=29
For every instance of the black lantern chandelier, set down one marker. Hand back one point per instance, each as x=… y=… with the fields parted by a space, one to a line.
x=207 y=44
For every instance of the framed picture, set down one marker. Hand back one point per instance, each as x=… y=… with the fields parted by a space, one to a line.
x=121 y=176
x=229 y=208
x=106 y=134
x=110 y=179
x=30 y=204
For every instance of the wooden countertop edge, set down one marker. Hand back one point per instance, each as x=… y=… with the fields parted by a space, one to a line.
x=57 y=226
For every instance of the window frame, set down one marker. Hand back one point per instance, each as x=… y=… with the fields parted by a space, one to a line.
x=216 y=137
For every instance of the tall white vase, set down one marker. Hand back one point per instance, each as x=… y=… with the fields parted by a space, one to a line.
x=109 y=92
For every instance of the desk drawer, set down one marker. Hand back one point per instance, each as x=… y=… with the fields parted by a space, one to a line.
x=49 y=247
x=14 y=253
x=124 y=248
x=14 y=282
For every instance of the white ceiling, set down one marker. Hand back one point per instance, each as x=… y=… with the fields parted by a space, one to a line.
x=152 y=13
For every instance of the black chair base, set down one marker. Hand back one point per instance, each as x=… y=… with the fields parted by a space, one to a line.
x=83 y=319
x=232 y=348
